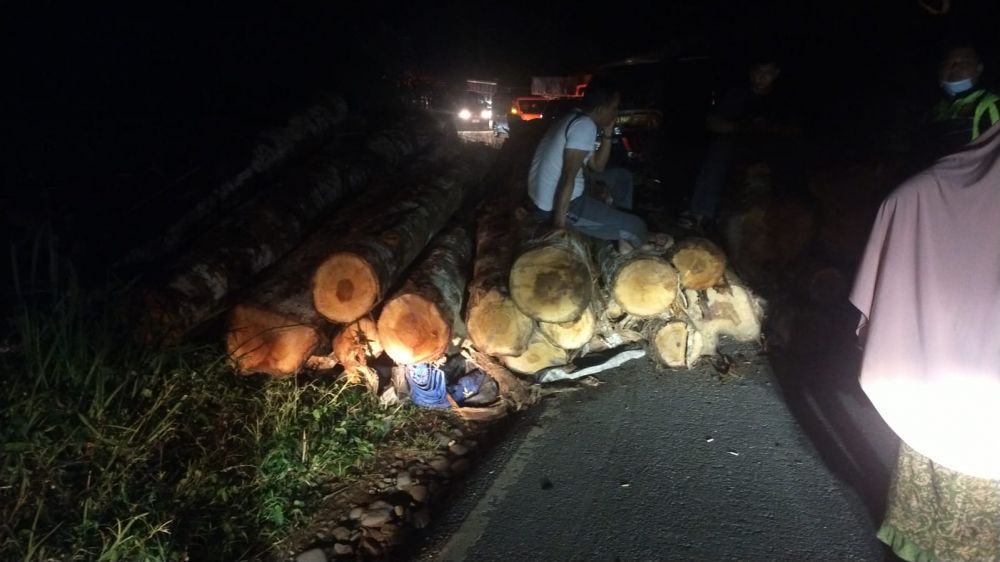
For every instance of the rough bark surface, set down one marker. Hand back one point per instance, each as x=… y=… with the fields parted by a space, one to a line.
x=274 y=148
x=416 y=323
x=359 y=268
x=726 y=310
x=495 y=324
x=228 y=257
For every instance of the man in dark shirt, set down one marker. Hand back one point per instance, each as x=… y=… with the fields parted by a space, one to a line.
x=746 y=119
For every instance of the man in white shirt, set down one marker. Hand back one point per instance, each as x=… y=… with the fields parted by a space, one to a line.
x=556 y=183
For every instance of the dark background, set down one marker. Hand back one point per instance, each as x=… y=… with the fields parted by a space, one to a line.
x=109 y=106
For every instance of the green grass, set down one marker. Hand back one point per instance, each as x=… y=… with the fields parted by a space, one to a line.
x=114 y=451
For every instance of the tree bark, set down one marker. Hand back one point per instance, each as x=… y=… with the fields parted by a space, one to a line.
x=272 y=150
x=228 y=257
x=416 y=322
x=541 y=354
x=700 y=263
x=551 y=280
x=360 y=267
x=495 y=325
x=643 y=284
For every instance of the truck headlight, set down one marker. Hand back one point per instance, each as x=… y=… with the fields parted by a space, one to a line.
x=486 y=114
x=465 y=114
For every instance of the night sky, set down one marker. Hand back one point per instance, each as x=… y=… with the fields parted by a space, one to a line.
x=107 y=101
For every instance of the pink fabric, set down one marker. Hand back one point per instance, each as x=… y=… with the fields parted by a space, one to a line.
x=929 y=292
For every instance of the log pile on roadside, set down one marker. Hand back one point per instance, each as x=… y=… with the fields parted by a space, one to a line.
x=389 y=254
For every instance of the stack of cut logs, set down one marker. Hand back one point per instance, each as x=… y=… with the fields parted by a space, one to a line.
x=540 y=298
x=380 y=250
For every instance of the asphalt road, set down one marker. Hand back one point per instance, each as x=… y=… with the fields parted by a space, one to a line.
x=782 y=459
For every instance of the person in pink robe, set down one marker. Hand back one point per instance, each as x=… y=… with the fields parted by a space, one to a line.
x=928 y=288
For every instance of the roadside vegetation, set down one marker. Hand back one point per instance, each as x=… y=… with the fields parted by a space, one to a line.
x=115 y=450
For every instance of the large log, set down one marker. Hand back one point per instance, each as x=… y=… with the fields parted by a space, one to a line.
x=263 y=321
x=552 y=279
x=700 y=263
x=359 y=268
x=416 y=322
x=272 y=149
x=644 y=284
x=277 y=330
x=730 y=309
x=227 y=258
x=495 y=324
x=541 y=354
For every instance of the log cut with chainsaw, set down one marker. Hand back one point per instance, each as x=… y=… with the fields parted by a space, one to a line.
x=643 y=284
x=700 y=263
x=416 y=323
x=227 y=257
x=541 y=354
x=552 y=279
x=358 y=271
x=495 y=324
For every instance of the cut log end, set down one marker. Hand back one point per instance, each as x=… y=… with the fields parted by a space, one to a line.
x=550 y=284
x=571 y=335
x=700 y=263
x=497 y=327
x=669 y=344
x=412 y=330
x=645 y=287
x=541 y=354
x=345 y=287
x=260 y=341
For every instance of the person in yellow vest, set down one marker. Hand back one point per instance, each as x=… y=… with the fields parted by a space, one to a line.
x=967 y=109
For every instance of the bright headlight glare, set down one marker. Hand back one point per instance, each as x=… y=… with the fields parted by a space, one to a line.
x=465 y=114
x=486 y=114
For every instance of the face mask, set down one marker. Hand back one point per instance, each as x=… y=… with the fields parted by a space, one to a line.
x=954 y=88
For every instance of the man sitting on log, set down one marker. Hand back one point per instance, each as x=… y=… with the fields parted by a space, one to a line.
x=557 y=183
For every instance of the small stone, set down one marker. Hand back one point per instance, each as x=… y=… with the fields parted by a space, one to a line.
x=372 y=547
x=390 y=532
x=457 y=433
x=439 y=464
x=421 y=518
x=418 y=493
x=442 y=439
x=314 y=555
x=380 y=504
x=343 y=549
x=375 y=517
x=387 y=479
x=342 y=534
x=458 y=449
x=403 y=480
x=393 y=471
x=399 y=510
x=356 y=513
x=355 y=536
x=461 y=466
x=471 y=444
x=398 y=464
x=375 y=533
